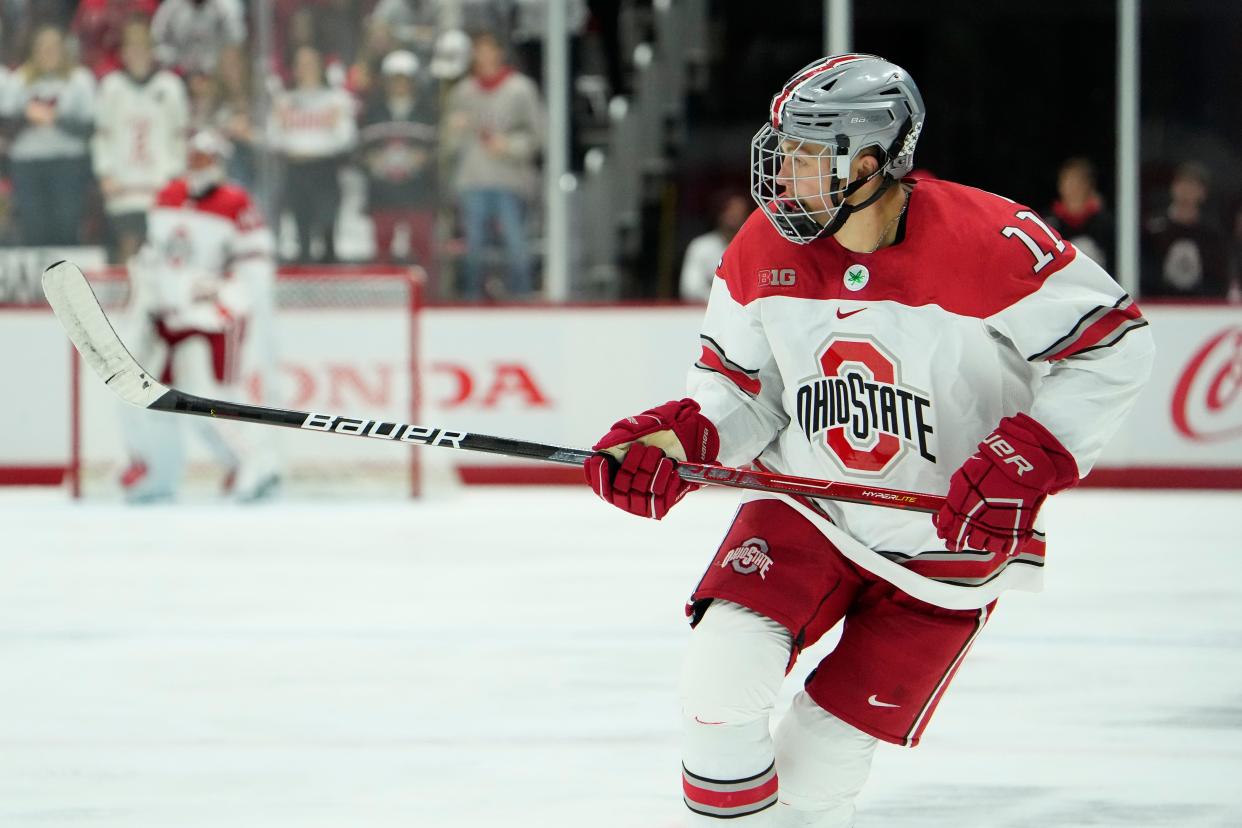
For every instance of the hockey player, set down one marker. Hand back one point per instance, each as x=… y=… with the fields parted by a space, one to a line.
x=204 y=273
x=862 y=326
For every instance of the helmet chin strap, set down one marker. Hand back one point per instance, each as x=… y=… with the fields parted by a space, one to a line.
x=844 y=211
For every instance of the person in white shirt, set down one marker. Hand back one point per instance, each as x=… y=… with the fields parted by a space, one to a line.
x=313 y=128
x=698 y=269
x=139 y=142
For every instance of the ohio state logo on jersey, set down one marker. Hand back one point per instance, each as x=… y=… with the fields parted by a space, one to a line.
x=860 y=411
x=177 y=248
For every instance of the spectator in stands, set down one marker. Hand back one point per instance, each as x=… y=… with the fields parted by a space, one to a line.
x=232 y=117
x=1184 y=252
x=49 y=105
x=139 y=142
x=313 y=128
x=191 y=35
x=493 y=131
x=1079 y=214
x=398 y=142
x=412 y=24
x=698 y=270
x=99 y=26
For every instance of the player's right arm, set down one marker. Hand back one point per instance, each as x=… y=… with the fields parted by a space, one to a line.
x=735 y=380
x=734 y=410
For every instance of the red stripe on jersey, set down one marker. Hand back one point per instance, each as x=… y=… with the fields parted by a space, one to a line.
x=728 y=799
x=972 y=568
x=711 y=360
x=793 y=85
x=1100 y=330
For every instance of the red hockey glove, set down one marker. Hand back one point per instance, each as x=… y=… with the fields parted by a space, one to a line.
x=994 y=497
x=635 y=467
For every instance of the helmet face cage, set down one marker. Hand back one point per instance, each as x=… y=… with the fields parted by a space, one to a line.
x=800 y=184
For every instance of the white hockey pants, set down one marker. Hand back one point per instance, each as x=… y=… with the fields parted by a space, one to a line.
x=733 y=769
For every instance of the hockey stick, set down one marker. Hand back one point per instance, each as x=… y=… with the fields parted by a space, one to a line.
x=78 y=310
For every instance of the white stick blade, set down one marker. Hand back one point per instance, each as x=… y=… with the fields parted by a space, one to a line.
x=78 y=310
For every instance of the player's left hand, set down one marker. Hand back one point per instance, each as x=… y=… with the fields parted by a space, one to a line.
x=994 y=497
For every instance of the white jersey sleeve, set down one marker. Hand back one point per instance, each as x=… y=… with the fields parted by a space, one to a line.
x=1098 y=349
x=736 y=380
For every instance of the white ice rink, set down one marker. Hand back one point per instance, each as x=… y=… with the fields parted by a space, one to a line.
x=508 y=659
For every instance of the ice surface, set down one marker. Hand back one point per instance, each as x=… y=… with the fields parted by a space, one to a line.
x=508 y=658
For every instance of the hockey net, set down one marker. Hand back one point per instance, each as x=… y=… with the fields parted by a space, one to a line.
x=343 y=340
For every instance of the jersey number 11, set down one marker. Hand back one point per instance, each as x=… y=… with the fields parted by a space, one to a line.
x=1042 y=257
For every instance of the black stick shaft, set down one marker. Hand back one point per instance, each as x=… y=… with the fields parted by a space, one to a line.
x=183 y=403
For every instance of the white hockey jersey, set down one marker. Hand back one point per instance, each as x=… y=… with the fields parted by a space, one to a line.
x=207 y=261
x=139 y=140
x=888 y=368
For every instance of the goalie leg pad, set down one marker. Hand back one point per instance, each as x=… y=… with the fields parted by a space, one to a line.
x=733 y=671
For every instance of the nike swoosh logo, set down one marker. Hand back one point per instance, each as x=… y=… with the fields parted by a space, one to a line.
x=847 y=315
x=874 y=702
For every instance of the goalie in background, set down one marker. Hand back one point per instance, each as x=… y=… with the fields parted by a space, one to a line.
x=199 y=285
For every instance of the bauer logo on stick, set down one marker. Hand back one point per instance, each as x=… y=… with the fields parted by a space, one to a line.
x=381 y=430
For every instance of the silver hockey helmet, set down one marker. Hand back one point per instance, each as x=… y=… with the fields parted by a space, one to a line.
x=818 y=123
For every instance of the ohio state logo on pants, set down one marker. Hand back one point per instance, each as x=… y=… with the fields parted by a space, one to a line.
x=861 y=411
x=751 y=555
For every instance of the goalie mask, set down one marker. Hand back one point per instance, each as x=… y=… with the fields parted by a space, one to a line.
x=823 y=117
x=208 y=151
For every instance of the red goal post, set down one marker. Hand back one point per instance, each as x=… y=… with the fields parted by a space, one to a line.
x=337 y=338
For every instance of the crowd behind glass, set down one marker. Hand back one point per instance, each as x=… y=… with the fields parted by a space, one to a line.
x=392 y=131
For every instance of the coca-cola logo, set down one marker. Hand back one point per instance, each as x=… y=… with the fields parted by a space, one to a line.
x=1207 y=401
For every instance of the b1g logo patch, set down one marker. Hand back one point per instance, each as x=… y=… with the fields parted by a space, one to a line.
x=751 y=556
x=778 y=277
x=859 y=411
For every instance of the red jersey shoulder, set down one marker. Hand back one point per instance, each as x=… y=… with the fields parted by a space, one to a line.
x=229 y=201
x=988 y=251
x=234 y=203
x=758 y=260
